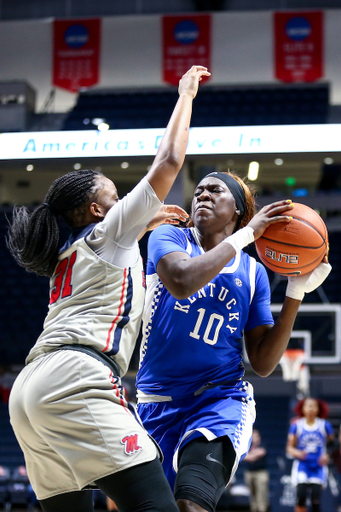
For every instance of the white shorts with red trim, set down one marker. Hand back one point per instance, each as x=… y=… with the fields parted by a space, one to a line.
x=72 y=423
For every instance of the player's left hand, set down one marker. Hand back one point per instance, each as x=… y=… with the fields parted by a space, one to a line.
x=189 y=83
x=168 y=214
x=298 y=286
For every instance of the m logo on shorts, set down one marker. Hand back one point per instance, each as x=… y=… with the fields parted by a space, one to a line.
x=131 y=444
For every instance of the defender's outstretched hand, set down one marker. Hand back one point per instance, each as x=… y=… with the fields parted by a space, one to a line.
x=189 y=83
x=168 y=214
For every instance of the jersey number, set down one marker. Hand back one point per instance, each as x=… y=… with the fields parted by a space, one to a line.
x=214 y=319
x=64 y=268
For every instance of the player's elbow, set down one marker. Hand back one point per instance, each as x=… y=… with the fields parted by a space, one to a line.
x=263 y=373
x=262 y=370
x=179 y=285
x=171 y=159
x=179 y=291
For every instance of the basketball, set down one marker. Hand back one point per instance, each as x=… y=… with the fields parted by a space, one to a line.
x=296 y=247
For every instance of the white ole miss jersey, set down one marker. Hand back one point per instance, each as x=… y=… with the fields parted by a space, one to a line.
x=97 y=289
x=191 y=342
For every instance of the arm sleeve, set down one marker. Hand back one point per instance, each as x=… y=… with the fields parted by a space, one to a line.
x=164 y=240
x=260 y=312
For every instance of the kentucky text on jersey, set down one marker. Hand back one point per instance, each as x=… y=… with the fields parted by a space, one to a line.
x=187 y=343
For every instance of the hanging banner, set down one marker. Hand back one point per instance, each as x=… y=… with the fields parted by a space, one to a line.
x=76 y=53
x=186 y=42
x=298 y=40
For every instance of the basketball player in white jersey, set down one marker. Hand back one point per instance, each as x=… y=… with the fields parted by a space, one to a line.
x=67 y=407
x=203 y=294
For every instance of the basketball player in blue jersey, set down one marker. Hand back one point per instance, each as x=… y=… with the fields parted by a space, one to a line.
x=67 y=405
x=203 y=294
x=307 y=440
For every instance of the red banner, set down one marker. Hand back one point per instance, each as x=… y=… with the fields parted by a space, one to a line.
x=76 y=51
x=298 y=46
x=186 y=42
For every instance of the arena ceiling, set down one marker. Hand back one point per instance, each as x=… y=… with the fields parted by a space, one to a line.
x=22 y=184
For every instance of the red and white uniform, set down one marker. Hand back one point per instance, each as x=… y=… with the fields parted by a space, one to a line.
x=97 y=291
x=67 y=408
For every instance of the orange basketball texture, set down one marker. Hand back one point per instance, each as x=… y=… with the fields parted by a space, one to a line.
x=295 y=247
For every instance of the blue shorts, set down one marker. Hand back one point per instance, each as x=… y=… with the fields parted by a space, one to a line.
x=303 y=473
x=221 y=411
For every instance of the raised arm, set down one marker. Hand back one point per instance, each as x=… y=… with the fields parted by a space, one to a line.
x=171 y=153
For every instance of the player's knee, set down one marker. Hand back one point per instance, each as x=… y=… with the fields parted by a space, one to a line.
x=198 y=485
x=315 y=498
x=204 y=470
x=301 y=495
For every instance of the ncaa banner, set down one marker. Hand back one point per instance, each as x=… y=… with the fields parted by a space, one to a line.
x=76 y=53
x=298 y=46
x=186 y=42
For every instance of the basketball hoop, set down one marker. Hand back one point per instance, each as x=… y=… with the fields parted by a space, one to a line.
x=294 y=369
x=291 y=363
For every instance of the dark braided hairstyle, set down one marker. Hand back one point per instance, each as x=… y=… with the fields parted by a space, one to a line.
x=33 y=237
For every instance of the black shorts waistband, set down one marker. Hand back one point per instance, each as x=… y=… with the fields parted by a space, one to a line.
x=96 y=354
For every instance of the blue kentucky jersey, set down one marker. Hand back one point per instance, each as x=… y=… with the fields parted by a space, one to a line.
x=188 y=343
x=311 y=439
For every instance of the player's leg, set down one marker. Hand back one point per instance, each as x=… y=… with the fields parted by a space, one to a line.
x=79 y=501
x=301 y=498
x=205 y=468
x=315 y=497
x=140 y=488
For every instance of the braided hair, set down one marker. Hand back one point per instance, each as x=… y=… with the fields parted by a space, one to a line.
x=33 y=237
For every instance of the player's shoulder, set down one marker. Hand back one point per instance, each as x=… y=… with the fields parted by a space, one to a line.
x=167 y=228
x=169 y=232
x=295 y=423
x=250 y=261
x=327 y=424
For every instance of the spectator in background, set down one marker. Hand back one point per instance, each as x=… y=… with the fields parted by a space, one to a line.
x=7 y=377
x=256 y=475
x=307 y=440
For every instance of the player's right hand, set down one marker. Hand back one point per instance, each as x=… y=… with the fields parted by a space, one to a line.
x=168 y=214
x=270 y=214
x=298 y=286
x=189 y=83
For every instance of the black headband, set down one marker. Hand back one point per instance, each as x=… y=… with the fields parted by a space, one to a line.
x=235 y=189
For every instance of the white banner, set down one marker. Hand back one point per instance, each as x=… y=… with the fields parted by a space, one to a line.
x=226 y=140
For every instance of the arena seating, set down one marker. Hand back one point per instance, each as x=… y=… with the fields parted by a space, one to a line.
x=213 y=107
